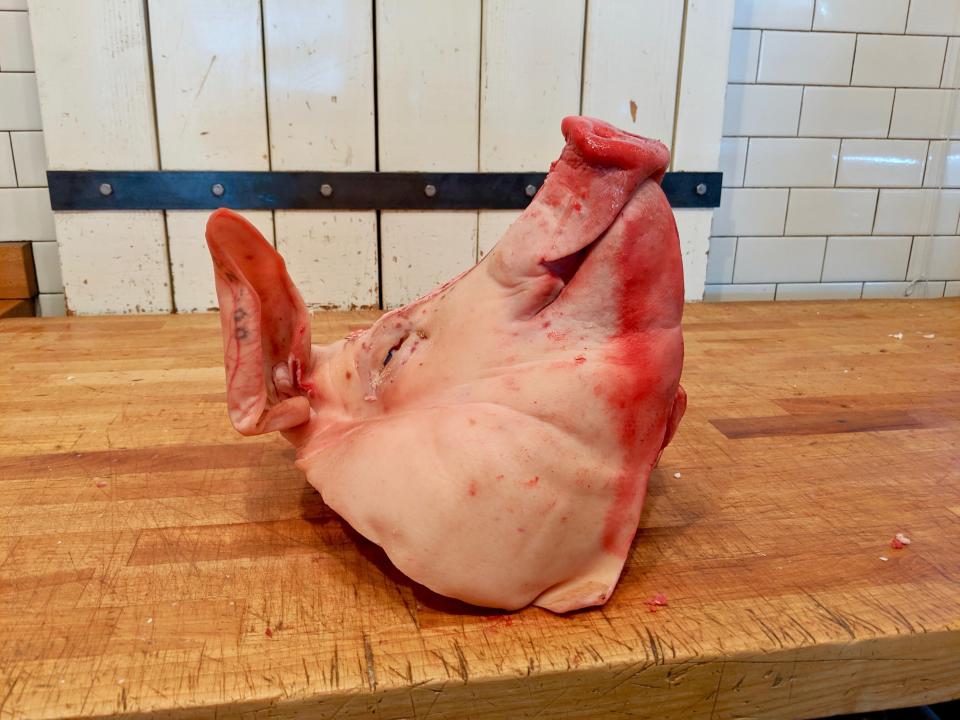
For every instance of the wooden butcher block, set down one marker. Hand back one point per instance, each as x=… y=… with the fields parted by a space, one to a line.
x=152 y=561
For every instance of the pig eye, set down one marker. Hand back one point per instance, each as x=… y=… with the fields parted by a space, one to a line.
x=390 y=353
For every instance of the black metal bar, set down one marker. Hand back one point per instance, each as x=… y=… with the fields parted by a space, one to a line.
x=207 y=190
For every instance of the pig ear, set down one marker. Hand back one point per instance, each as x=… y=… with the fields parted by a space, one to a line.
x=673 y=420
x=266 y=328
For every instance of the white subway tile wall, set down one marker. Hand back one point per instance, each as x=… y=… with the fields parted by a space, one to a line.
x=841 y=152
x=779 y=259
x=733 y=160
x=918 y=212
x=30 y=158
x=819 y=291
x=873 y=16
x=52 y=305
x=934 y=17
x=744 y=56
x=46 y=259
x=937 y=258
x=16 y=53
x=762 y=110
x=894 y=290
x=846 y=112
x=745 y=211
x=899 y=60
x=723 y=250
x=886 y=163
x=866 y=258
x=830 y=211
x=806 y=57
x=943 y=165
x=774 y=14
x=951 y=67
x=734 y=293
x=926 y=114
x=24 y=204
x=8 y=174
x=792 y=162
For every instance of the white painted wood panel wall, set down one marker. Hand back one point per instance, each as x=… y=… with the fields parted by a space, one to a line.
x=459 y=85
x=211 y=115
x=93 y=74
x=319 y=57
x=530 y=79
x=428 y=58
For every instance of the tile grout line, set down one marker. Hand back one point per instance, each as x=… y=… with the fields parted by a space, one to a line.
x=906 y=270
x=839 y=86
x=746 y=160
x=756 y=72
x=876 y=209
x=803 y=93
x=943 y=65
x=853 y=62
x=13 y=159
x=825 y=31
x=736 y=250
x=836 y=169
x=893 y=108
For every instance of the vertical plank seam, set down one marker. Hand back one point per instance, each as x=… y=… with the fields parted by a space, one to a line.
x=583 y=51
x=480 y=73
x=376 y=149
x=168 y=259
x=266 y=109
x=676 y=97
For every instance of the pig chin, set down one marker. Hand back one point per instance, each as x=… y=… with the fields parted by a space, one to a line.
x=495 y=436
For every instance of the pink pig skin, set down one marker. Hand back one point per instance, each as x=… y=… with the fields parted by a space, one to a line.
x=495 y=437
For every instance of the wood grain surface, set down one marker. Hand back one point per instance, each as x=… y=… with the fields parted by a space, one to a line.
x=153 y=561
x=18 y=279
x=16 y=308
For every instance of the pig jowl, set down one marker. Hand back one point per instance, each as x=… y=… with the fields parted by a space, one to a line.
x=494 y=437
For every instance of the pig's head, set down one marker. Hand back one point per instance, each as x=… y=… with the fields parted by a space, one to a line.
x=555 y=360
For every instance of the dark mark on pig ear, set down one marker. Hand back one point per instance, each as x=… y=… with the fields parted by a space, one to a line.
x=239 y=314
x=230 y=276
x=240 y=333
